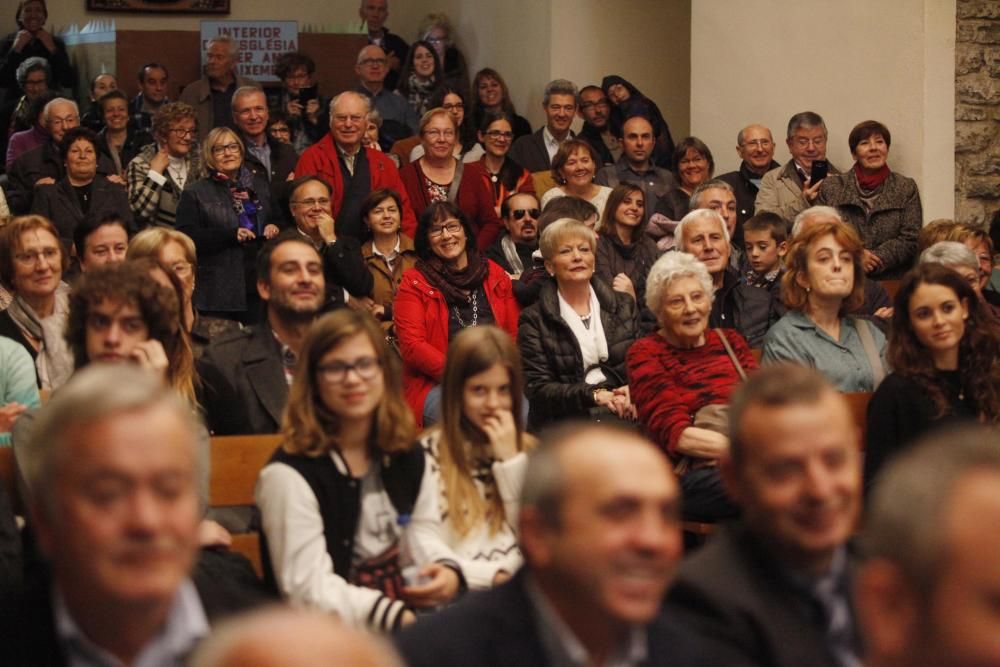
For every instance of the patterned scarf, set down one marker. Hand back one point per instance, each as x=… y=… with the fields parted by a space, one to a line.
x=455 y=283
x=54 y=362
x=244 y=199
x=420 y=92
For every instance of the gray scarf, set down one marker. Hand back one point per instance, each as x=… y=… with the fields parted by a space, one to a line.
x=510 y=254
x=54 y=362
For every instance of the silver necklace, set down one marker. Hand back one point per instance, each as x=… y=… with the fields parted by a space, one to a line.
x=474 y=300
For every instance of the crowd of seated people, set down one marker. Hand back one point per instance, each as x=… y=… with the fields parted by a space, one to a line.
x=500 y=367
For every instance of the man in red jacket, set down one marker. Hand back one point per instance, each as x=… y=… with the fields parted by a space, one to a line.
x=354 y=171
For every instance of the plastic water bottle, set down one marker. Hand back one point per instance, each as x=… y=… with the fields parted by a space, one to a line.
x=409 y=563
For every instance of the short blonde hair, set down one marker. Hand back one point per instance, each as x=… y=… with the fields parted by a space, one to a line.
x=431 y=114
x=213 y=137
x=149 y=242
x=562 y=230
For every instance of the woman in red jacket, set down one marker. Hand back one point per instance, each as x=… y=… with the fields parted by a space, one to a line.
x=439 y=176
x=452 y=287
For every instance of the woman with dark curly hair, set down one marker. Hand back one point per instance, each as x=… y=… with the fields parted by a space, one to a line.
x=945 y=356
x=131 y=311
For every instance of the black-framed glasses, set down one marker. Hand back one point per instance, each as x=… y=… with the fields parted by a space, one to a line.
x=499 y=134
x=336 y=372
x=519 y=213
x=453 y=227
x=182 y=132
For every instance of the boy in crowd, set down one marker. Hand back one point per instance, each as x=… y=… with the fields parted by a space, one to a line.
x=765 y=238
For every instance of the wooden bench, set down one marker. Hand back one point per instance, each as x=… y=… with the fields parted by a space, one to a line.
x=236 y=462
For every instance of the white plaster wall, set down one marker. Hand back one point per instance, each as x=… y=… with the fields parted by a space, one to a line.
x=849 y=61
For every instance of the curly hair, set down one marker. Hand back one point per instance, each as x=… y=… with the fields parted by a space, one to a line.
x=171 y=113
x=797 y=265
x=978 y=351
x=309 y=426
x=130 y=282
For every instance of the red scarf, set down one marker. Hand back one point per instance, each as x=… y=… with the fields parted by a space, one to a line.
x=869 y=182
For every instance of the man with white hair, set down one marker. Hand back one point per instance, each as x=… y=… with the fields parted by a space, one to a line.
x=354 y=171
x=43 y=165
x=116 y=513
x=749 y=310
x=212 y=94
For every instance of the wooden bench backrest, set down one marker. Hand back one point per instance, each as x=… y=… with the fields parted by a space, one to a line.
x=236 y=462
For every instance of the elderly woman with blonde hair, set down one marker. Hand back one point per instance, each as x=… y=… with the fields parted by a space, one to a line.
x=681 y=378
x=573 y=340
x=175 y=251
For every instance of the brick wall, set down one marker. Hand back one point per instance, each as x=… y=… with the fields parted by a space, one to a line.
x=977 y=110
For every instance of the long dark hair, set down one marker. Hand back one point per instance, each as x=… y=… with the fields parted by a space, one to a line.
x=404 y=75
x=978 y=351
x=467 y=130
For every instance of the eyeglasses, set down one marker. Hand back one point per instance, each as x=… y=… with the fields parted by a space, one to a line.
x=344 y=118
x=336 y=372
x=183 y=132
x=437 y=134
x=31 y=258
x=457 y=106
x=758 y=143
x=370 y=62
x=55 y=121
x=226 y=148
x=499 y=134
x=700 y=159
x=519 y=213
x=598 y=103
x=453 y=227
x=312 y=203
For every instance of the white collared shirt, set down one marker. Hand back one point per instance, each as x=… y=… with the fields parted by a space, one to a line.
x=551 y=143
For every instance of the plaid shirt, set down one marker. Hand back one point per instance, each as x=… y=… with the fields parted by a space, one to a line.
x=152 y=203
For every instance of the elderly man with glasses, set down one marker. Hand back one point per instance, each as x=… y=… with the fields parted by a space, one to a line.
x=353 y=170
x=372 y=67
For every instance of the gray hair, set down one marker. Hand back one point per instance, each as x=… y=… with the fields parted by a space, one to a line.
x=669 y=267
x=225 y=39
x=950 y=253
x=243 y=91
x=912 y=497
x=96 y=392
x=57 y=100
x=814 y=212
x=336 y=98
x=712 y=184
x=805 y=119
x=375 y=117
x=559 y=87
x=28 y=66
x=697 y=214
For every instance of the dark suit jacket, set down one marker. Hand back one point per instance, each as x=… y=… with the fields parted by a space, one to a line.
x=746 y=194
x=28 y=619
x=59 y=204
x=283 y=161
x=243 y=383
x=38 y=163
x=731 y=595
x=498 y=627
x=530 y=152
